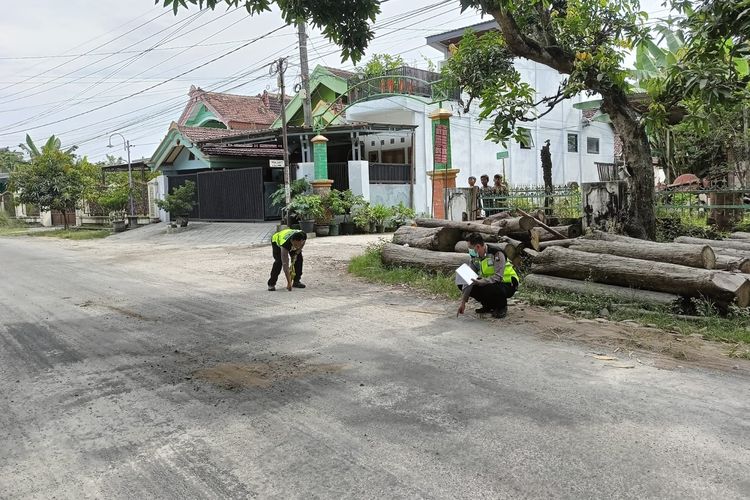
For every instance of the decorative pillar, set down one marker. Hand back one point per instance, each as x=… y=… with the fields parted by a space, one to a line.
x=443 y=175
x=321 y=184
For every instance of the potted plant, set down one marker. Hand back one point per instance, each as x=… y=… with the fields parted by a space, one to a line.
x=348 y=203
x=402 y=215
x=380 y=215
x=307 y=208
x=362 y=217
x=180 y=203
x=278 y=197
x=335 y=204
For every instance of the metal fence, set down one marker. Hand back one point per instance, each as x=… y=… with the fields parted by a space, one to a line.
x=702 y=203
x=564 y=201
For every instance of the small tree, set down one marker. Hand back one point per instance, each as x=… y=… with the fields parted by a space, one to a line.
x=53 y=180
x=181 y=202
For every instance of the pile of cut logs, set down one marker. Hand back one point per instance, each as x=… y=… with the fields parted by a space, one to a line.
x=440 y=245
x=604 y=264
x=645 y=271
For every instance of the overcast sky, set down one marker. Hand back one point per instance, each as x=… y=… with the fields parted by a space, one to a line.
x=61 y=60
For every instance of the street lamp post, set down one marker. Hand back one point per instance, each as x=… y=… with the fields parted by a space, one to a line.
x=127 y=146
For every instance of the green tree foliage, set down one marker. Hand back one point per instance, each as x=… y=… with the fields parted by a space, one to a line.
x=53 y=179
x=343 y=22
x=181 y=202
x=10 y=160
x=380 y=64
x=584 y=40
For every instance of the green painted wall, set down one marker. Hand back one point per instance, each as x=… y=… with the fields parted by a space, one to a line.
x=204 y=118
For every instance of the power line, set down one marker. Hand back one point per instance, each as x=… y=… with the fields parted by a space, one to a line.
x=147 y=88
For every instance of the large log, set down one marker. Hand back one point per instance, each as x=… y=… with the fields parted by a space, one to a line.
x=445 y=262
x=508 y=249
x=471 y=227
x=555 y=243
x=740 y=236
x=441 y=239
x=544 y=226
x=701 y=256
x=722 y=286
x=588 y=288
x=732 y=263
x=516 y=224
x=539 y=235
x=736 y=244
x=495 y=217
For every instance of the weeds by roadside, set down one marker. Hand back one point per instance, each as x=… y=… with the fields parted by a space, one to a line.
x=735 y=328
x=74 y=234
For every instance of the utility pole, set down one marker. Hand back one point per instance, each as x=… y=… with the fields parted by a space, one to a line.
x=279 y=68
x=126 y=144
x=306 y=101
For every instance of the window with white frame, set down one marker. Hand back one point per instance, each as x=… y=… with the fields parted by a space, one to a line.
x=592 y=145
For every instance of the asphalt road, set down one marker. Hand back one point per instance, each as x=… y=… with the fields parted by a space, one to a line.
x=158 y=380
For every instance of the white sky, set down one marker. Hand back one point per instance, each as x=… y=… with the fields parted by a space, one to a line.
x=64 y=58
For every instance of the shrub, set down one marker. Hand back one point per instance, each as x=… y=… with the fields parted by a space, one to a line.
x=181 y=202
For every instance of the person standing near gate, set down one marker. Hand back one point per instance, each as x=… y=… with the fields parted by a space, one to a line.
x=287 y=256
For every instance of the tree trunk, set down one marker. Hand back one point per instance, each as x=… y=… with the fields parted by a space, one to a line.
x=740 y=236
x=658 y=276
x=555 y=243
x=446 y=262
x=516 y=224
x=495 y=217
x=547 y=175
x=598 y=289
x=429 y=238
x=570 y=232
x=701 y=256
x=641 y=219
x=471 y=227
x=733 y=263
x=736 y=244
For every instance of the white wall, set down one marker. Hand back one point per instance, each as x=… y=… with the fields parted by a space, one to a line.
x=474 y=156
x=389 y=194
x=359 y=178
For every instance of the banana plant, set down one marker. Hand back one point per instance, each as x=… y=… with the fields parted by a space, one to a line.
x=52 y=144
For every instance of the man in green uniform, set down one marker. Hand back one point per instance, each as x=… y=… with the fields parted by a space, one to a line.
x=497 y=280
x=287 y=255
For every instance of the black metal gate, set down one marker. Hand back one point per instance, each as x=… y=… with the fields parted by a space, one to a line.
x=339 y=174
x=226 y=195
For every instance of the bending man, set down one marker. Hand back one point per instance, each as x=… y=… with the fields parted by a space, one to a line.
x=287 y=249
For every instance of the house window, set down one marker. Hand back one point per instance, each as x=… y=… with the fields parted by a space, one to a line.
x=572 y=143
x=372 y=157
x=191 y=156
x=592 y=145
x=403 y=140
x=393 y=141
x=526 y=141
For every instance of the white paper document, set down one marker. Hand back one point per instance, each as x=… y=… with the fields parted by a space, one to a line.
x=465 y=274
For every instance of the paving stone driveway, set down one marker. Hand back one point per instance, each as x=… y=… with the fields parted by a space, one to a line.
x=201 y=234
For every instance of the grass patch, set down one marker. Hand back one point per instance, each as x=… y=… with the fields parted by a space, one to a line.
x=73 y=234
x=731 y=329
x=370 y=267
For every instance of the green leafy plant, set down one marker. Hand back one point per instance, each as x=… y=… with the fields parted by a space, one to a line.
x=307 y=207
x=296 y=188
x=380 y=214
x=362 y=215
x=181 y=202
x=402 y=214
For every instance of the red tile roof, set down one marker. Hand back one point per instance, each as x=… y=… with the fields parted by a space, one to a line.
x=200 y=135
x=239 y=150
x=341 y=73
x=236 y=111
